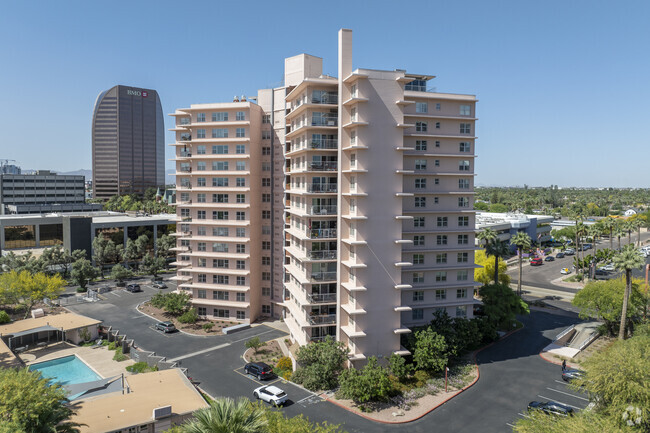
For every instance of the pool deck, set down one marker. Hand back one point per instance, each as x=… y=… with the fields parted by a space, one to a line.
x=100 y=360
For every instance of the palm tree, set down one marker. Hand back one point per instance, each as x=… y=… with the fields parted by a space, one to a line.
x=227 y=416
x=639 y=221
x=499 y=250
x=629 y=227
x=619 y=231
x=522 y=241
x=627 y=259
x=608 y=224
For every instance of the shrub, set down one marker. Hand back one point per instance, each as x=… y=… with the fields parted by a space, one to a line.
x=421 y=378
x=371 y=383
x=254 y=343
x=4 y=317
x=189 y=317
x=81 y=290
x=398 y=367
x=321 y=363
x=112 y=345
x=138 y=367
x=285 y=363
x=119 y=356
x=207 y=327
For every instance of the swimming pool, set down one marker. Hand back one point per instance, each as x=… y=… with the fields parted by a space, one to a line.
x=67 y=370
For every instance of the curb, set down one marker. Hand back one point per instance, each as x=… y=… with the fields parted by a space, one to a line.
x=478 y=375
x=553 y=361
x=137 y=308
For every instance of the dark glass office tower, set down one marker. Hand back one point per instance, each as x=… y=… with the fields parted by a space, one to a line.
x=128 y=142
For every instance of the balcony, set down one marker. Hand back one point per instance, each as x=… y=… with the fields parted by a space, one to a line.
x=324 y=144
x=322 y=255
x=322 y=210
x=184 y=121
x=321 y=233
x=185 y=169
x=325 y=319
x=322 y=338
x=186 y=219
x=186 y=137
x=322 y=187
x=323 y=166
x=323 y=276
x=321 y=298
x=185 y=186
x=185 y=154
x=324 y=121
x=325 y=98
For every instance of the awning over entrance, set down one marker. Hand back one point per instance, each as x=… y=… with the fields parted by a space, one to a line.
x=34 y=331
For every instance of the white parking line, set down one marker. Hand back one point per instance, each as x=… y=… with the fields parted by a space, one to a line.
x=200 y=352
x=510 y=425
x=561 y=381
x=525 y=416
x=115 y=293
x=566 y=393
x=306 y=398
x=557 y=401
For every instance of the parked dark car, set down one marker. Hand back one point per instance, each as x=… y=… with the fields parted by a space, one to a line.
x=601 y=272
x=259 y=369
x=551 y=408
x=133 y=288
x=559 y=256
x=549 y=258
x=165 y=327
x=537 y=261
x=572 y=373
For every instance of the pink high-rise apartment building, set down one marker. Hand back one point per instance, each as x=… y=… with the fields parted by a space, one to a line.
x=369 y=224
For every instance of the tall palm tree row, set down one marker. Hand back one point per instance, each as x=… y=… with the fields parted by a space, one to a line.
x=608 y=224
x=627 y=259
x=522 y=241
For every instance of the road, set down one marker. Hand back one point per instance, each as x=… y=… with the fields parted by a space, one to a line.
x=511 y=372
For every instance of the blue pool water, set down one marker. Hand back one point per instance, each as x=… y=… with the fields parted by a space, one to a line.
x=66 y=370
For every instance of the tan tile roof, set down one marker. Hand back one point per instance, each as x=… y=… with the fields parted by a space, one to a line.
x=117 y=411
x=7 y=358
x=67 y=321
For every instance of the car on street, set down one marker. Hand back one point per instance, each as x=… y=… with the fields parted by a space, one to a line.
x=565 y=271
x=260 y=370
x=159 y=285
x=270 y=394
x=537 y=261
x=549 y=258
x=569 y=251
x=133 y=288
x=559 y=256
x=165 y=327
x=551 y=408
x=609 y=268
x=572 y=373
x=586 y=247
x=601 y=272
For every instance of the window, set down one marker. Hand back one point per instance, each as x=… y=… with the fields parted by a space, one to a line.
x=465 y=110
x=220 y=294
x=421 y=107
x=436 y=181
x=240 y=149
x=436 y=200
x=266 y=135
x=241 y=248
x=421 y=126
x=437 y=143
x=240 y=264
x=220 y=165
x=266 y=166
x=200 y=166
x=462 y=275
x=220 y=149
x=241 y=315
x=201 y=246
x=463 y=221
x=240 y=216
x=241 y=281
x=266 y=198
x=464 y=147
x=201 y=231
x=240 y=165
x=420 y=164
x=220 y=263
x=219 y=247
x=266 y=150
x=463 y=239
x=219 y=181
x=240 y=182
x=438 y=106
x=266 y=245
x=418 y=222
x=240 y=132
x=461 y=293
x=463 y=183
x=200 y=150
x=241 y=297
x=441 y=240
x=441 y=294
x=241 y=232
x=266 y=309
x=442 y=221
x=441 y=258
x=266 y=276
x=463 y=165
x=418 y=240
x=420 y=144
x=201 y=293
x=418 y=296
x=221 y=313
x=220 y=133
x=417 y=314
x=437 y=125
x=200 y=117
x=200 y=133
x=353 y=91
x=465 y=128
x=266 y=181
x=266 y=118
x=420 y=201
x=202 y=311
x=219 y=215
x=200 y=214
x=266 y=261
x=441 y=276
x=463 y=202
x=418 y=277
x=240 y=116
x=418 y=259
x=266 y=214
x=462 y=257
x=420 y=183
x=266 y=291
x=240 y=198
x=221 y=279
x=200 y=197
x=219 y=117
x=266 y=230
x=461 y=311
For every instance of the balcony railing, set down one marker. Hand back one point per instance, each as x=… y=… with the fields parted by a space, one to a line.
x=322 y=187
x=327 y=121
x=322 y=233
x=325 y=319
x=186 y=137
x=186 y=169
x=323 y=210
x=321 y=298
x=185 y=154
x=186 y=219
x=325 y=98
x=323 y=276
x=321 y=337
x=185 y=121
x=322 y=255
x=185 y=186
x=323 y=166
x=327 y=143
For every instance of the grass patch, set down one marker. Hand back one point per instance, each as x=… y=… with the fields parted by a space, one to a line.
x=141 y=367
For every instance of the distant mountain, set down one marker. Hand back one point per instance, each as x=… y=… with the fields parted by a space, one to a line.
x=81 y=172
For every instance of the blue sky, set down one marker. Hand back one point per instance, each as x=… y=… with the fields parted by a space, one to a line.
x=562 y=85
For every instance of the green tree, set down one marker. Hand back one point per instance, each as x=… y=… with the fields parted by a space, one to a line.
x=371 y=383
x=278 y=423
x=629 y=258
x=153 y=264
x=176 y=303
x=502 y=305
x=120 y=273
x=27 y=289
x=105 y=252
x=582 y=422
x=320 y=363
x=398 y=367
x=142 y=245
x=227 y=416
x=430 y=350
x=603 y=300
x=522 y=241
x=254 y=343
x=82 y=272
x=29 y=403
x=164 y=245
x=130 y=252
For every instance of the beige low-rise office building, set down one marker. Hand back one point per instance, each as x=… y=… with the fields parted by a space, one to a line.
x=377 y=201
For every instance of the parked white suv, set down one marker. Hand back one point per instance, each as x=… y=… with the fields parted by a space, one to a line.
x=270 y=394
